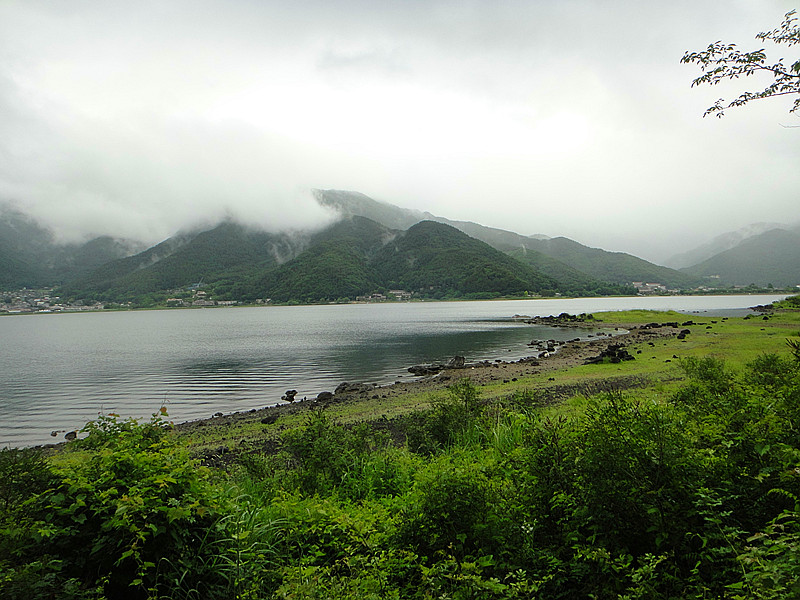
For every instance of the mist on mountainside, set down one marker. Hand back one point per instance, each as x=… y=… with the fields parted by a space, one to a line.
x=720 y=243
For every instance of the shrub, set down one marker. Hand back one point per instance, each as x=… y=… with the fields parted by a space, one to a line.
x=635 y=461
x=451 y=420
x=450 y=510
x=107 y=522
x=325 y=456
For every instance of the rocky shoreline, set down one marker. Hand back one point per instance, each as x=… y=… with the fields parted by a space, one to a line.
x=547 y=357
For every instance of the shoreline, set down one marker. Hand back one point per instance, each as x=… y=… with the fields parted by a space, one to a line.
x=720 y=293
x=569 y=354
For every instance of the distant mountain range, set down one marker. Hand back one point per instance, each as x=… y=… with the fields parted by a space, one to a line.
x=559 y=257
x=355 y=256
x=31 y=257
x=769 y=258
x=721 y=243
x=374 y=247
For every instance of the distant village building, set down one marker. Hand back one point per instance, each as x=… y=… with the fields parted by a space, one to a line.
x=371 y=298
x=203 y=303
x=402 y=295
x=649 y=288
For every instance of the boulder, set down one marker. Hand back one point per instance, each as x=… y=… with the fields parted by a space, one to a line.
x=457 y=362
x=423 y=370
x=613 y=354
x=352 y=388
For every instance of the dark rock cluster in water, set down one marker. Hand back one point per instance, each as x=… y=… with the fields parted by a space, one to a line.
x=562 y=320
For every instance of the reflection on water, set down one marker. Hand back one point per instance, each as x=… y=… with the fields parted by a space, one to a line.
x=58 y=371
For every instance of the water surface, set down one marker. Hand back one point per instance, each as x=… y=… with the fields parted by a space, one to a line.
x=58 y=371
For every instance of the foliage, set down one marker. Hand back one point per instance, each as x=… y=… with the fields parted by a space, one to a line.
x=685 y=494
x=437 y=260
x=772 y=559
x=722 y=61
x=791 y=303
x=107 y=523
x=23 y=473
x=325 y=457
x=451 y=420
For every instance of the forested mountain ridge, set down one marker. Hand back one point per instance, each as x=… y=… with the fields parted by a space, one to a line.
x=334 y=266
x=349 y=258
x=187 y=259
x=588 y=268
x=358 y=256
x=441 y=258
x=353 y=257
x=771 y=258
x=31 y=257
x=616 y=267
x=718 y=244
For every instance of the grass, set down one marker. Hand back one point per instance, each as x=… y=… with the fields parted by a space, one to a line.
x=738 y=340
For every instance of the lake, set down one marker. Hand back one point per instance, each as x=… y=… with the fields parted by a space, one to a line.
x=59 y=371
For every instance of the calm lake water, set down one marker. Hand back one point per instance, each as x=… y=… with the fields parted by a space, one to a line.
x=59 y=371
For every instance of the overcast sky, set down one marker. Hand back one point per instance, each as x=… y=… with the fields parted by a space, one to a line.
x=568 y=117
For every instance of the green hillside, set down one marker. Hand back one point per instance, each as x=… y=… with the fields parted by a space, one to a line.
x=578 y=267
x=439 y=260
x=770 y=258
x=334 y=267
x=616 y=267
x=353 y=257
x=571 y=281
x=31 y=257
x=184 y=260
x=329 y=271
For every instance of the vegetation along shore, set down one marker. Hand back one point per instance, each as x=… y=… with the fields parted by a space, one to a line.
x=660 y=460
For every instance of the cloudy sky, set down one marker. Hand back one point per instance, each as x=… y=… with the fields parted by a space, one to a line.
x=569 y=117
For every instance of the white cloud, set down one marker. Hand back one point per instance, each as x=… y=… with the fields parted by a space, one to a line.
x=572 y=118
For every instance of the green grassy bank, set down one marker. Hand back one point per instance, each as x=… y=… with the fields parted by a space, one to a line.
x=674 y=475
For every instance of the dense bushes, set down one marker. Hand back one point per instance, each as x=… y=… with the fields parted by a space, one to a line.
x=693 y=496
x=133 y=518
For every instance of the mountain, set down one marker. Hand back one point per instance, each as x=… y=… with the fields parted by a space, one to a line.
x=357 y=257
x=721 y=243
x=615 y=267
x=437 y=259
x=186 y=259
x=30 y=256
x=336 y=265
x=374 y=247
x=772 y=257
x=561 y=258
x=356 y=204
x=571 y=281
x=353 y=257
x=21 y=242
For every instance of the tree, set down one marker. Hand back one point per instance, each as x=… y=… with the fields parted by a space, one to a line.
x=722 y=61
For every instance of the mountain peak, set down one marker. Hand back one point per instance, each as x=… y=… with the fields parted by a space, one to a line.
x=721 y=243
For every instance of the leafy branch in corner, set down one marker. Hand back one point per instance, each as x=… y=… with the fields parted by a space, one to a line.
x=722 y=61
